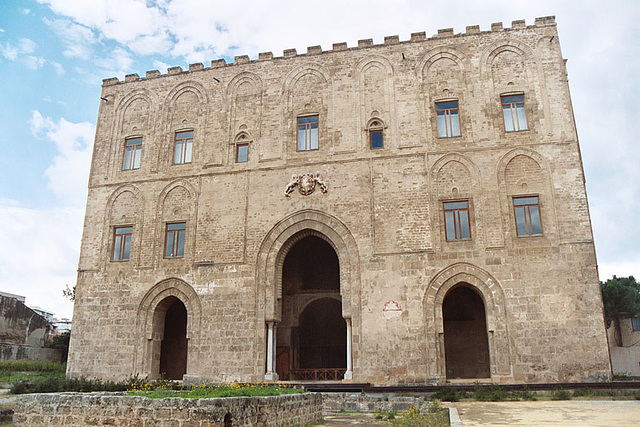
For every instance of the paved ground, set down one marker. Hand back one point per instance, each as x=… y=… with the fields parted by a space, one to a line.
x=582 y=413
x=361 y=419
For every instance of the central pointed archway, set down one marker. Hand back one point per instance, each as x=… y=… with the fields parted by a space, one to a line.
x=312 y=335
x=270 y=273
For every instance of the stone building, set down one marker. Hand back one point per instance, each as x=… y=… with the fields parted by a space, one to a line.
x=412 y=212
x=23 y=331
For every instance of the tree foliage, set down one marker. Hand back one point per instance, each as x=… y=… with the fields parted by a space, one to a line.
x=621 y=297
x=69 y=292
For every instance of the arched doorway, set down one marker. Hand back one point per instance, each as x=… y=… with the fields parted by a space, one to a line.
x=322 y=336
x=311 y=336
x=466 y=344
x=171 y=315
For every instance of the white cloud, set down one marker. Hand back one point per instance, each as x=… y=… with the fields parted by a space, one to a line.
x=25 y=11
x=27 y=45
x=77 y=39
x=39 y=253
x=8 y=51
x=58 y=67
x=40 y=246
x=22 y=53
x=69 y=173
x=33 y=62
x=118 y=62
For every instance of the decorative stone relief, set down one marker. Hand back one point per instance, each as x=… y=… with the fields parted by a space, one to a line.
x=306 y=184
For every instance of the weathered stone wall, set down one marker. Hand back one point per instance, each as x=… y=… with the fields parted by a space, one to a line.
x=10 y=352
x=101 y=409
x=21 y=325
x=381 y=402
x=382 y=213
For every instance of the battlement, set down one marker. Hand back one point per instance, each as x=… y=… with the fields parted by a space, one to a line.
x=520 y=24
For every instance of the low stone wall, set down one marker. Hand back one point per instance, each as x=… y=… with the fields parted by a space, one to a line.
x=115 y=409
x=11 y=352
x=626 y=360
x=372 y=402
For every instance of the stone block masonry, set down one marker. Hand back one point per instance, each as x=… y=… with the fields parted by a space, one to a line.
x=109 y=409
x=410 y=212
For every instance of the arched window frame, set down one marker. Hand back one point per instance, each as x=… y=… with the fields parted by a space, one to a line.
x=375 y=133
x=241 y=147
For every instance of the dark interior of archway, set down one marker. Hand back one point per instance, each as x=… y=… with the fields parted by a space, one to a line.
x=465 y=334
x=173 y=353
x=322 y=335
x=311 y=265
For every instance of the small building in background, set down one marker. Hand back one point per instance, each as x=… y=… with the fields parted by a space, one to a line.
x=24 y=331
x=625 y=350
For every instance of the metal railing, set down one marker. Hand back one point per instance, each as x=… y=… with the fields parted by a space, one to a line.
x=326 y=374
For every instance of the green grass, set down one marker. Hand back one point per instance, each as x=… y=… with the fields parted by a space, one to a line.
x=32 y=366
x=11 y=377
x=228 y=390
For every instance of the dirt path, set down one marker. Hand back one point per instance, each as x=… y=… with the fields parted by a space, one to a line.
x=567 y=413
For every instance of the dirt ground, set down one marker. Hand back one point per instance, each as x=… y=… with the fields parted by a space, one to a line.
x=566 y=413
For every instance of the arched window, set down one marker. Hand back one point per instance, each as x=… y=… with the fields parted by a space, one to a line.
x=375 y=129
x=242 y=142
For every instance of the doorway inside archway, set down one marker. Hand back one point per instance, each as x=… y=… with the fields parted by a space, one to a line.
x=173 y=348
x=312 y=335
x=466 y=343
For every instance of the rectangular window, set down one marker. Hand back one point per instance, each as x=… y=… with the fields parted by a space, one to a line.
x=448 y=120
x=456 y=220
x=307 y=133
x=635 y=323
x=174 y=241
x=375 y=138
x=132 y=151
x=513 y=110
x=122 y=243
x=527 y=213
x=242 y=153
x=183 y=147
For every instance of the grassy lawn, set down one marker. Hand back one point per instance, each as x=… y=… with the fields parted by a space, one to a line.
x=203 y=392
x=10 y=377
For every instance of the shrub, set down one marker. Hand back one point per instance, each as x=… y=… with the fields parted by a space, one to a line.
x=560 y=394
x=437 y=417
x=583 y=392
x=32 y=366
x=54 y=384
x=446 y=395
x=525 y=394
x=492 y=393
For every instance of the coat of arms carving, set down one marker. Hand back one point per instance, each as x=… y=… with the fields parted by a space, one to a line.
x=306 y=184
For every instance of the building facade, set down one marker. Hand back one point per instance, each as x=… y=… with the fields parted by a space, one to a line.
x=412 y=212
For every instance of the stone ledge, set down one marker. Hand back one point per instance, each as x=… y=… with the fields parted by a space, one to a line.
x=119 y=409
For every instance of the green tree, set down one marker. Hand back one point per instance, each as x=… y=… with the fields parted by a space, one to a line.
x=69 y=292
x=621 y=297
x=61 y=342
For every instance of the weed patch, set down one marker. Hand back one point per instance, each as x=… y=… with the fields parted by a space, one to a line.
x=447 y=395
x=437 y=417
x=560 y=394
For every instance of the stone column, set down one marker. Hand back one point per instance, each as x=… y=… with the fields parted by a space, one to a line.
x=348 y=375
x=271 y=374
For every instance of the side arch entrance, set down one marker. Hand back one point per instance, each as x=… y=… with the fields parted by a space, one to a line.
x=466 y=345
x=466 y=324
x=168 y=320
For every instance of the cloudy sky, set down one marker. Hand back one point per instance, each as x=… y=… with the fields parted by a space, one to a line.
x=55 y=53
